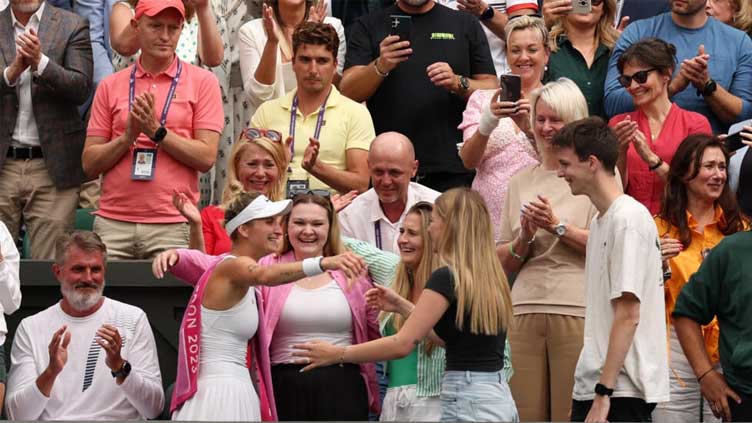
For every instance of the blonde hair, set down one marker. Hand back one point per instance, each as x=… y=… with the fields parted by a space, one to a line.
x=564 y=97
x=468 y=248
x=605 y=32
x=743 y=18
x=237 y=200
x=523 y=22
x=405 y=280
x=275 y=149
x=333 y=244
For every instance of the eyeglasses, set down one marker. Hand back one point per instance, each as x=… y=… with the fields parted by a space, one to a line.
x=317 y=192
x=640 y=77
x=255 y=133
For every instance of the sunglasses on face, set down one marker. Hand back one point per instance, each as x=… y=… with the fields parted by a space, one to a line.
x=596 y=2
x=255 y=133
x=640 y=77
x=317 y=192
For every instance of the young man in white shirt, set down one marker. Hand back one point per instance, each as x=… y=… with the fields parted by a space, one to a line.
x=10 y=293
x=376 y=215
x=87 y=357
x=623 y=367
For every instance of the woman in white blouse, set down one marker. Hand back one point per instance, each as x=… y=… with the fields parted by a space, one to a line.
x=266 y=48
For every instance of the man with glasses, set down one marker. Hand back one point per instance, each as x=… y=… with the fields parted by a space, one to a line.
x=328 y=134
x=164 y=111
x=714 y=75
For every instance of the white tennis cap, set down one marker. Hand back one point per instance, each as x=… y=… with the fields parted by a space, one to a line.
x=260 y=208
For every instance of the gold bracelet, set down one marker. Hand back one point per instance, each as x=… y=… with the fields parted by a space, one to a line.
x=342 y=357
x=378 y=71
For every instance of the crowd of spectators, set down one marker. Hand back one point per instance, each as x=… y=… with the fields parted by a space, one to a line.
x=517 y=209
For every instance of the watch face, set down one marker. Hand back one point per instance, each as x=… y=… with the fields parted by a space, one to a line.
x=561 y=230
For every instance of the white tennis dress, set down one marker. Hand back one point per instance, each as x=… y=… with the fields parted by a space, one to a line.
x=225 y=391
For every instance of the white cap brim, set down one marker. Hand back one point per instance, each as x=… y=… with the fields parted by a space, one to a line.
x=260 y=208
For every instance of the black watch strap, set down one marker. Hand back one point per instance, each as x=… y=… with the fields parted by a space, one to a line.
x=708 y=89
x=159 y=134
x=124 y=370
x=601 y=389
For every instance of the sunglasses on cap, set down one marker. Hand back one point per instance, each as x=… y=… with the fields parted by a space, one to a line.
x=640 y=77
x=255 y=133
x=317 y=192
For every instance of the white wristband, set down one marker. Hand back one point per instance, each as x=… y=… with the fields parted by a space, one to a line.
x=312 y=266
x=488 y=121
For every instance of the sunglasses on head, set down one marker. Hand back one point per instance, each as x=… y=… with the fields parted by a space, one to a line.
x=317 y=192
x=255 y=133
x=640 y=77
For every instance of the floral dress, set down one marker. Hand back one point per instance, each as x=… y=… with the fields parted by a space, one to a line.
x=507 y=152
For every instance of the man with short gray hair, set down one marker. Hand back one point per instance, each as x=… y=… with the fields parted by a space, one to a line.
x=87 y=357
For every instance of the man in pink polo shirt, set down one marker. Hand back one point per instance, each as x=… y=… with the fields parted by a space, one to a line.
x=154 y=126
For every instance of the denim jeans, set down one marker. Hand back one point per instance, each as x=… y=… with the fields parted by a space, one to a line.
x=477 y=397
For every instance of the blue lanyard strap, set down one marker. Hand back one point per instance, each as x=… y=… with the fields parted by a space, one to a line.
x=377 y=233
x=294 y=116
x=170 y=93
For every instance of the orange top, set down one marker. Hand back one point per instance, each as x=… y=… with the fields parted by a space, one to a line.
x=686 y=263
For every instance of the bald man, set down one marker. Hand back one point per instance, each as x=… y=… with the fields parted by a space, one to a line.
x=376 y=215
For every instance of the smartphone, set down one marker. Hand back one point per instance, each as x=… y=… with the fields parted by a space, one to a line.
x=734 y=139
x=511 y=87
x=401 y=25
x=581 y=7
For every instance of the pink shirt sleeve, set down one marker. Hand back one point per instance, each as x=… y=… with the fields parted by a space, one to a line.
x=209 y=113
x=100 y=121
x=471 y=115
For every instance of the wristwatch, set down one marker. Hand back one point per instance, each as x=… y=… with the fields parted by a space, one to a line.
x=487 y=14
x=600 y=389
x=124 y=370
x=159 y=134
x=560 y=229
x=708 y=89
x=464 y=84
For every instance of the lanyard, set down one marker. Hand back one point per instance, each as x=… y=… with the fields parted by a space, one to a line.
x=170 y=93
x=294 y=117
x=377 y=232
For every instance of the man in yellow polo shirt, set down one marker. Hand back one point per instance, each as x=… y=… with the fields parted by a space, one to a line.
x=330 y=133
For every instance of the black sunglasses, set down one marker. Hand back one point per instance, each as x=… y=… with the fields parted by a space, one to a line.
x=596 y=2
x=640 y=77
x=255 y=133
x=317 y=192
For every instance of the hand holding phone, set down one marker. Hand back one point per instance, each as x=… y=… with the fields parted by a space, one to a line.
x=511 y=87
x=401 y=25
x=582 y=7
x=734 y=140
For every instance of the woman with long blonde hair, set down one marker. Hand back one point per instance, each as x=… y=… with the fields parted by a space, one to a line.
x=467 y=305
x=258 y=162
x=415 y=380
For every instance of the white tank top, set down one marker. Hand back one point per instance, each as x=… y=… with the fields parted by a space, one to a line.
x=321 y=313
x=225 y=333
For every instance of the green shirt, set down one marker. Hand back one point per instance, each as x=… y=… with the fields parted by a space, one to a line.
x=402 y=371
x=382 y=265
x=568 y=62
x=722 y=287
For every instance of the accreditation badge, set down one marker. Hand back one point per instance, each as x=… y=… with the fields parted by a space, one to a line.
x=144 y=164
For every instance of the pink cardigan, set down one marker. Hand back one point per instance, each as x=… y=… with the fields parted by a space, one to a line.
x=365 y=319
x=191 y=264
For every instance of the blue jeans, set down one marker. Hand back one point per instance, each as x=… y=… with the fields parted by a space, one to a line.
x=477 y=397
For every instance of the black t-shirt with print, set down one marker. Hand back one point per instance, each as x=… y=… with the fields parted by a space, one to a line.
x=407 y=101
x=464 y=350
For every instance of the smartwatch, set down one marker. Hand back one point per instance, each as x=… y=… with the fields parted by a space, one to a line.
x=708 y=89
x=159 y=134
x=124 y=371
x=487 y=14
x=600 y=389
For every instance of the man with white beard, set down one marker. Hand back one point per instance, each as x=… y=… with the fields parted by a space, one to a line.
x=87 y=357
